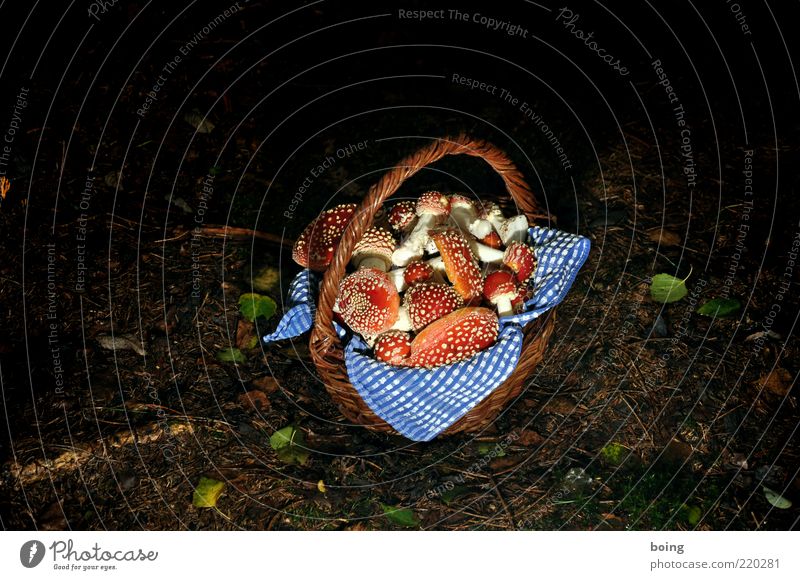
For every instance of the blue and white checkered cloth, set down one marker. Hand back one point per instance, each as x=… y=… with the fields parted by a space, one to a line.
x=421 y=403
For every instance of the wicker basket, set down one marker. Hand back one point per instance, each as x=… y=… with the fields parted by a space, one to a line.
x=325 y=346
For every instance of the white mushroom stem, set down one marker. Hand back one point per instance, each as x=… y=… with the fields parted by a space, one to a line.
x=514 y=229
x=398 y=275
x=403 y=321
x=372 y=262
x=480 y=228
x=503 y=305
x=464 y=215
x=486 y=253
x=414 y=245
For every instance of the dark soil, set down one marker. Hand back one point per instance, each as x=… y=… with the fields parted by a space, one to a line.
x=641 y=416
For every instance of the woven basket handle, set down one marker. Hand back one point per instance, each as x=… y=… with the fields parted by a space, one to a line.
x=387 y=186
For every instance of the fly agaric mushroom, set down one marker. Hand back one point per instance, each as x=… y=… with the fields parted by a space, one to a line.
x=492 y=240
x=521 y=259
x=500 y=288
x=462 y=212
x=481 y=226
x=513 y=229
x=315 y=247
x=428 y=302
x=456 y=337
x=417 y=271
x=431 y=208
x=374 y=250
x=368 y=302
x=402 y=216
x=393 y=347
x=398 y=274
x=459 y=264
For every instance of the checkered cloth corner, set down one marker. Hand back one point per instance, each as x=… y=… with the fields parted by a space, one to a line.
x=422 y=403
x=302 y=306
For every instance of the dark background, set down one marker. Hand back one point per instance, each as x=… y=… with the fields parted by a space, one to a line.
x=285 y=87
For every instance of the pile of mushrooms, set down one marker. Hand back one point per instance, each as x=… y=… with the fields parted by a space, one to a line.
x=434 y=297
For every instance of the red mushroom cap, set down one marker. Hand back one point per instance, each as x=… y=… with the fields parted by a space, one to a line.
x=499 y=283
x=458 y=200
x=459 y=263
x=315 y=247
x=417 y=271
x=393 y=347
x=454 y=338
x=428 y=302
x=368 y=301
x=521 y=259
x=376 y=243
x=433 y=203
x=402 y=215
x=492 y=240
x=500 y=288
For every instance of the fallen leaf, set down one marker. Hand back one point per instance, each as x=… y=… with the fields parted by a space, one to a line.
x=199 y=122
x=267 y=279
x=207 y=492
x=266 y=384
x=402 y=517
x=121 y=342
x=253 y=305
x=665 y=288
x=719 y=307
x=529 y=437
x=290 y=446
x=763 y=334
x=254 y=400
x=778 y=382
x=321 y=486
x=233 y=355
x=448 y=496
x=244 y=332
x=693 y=514
x=487 y=447
x=665 y=237
x=502 y=463
x=777 y=499
x=614 y=453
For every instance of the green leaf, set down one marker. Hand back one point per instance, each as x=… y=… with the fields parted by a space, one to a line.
x=402 y=517
x=233 y=355
x=614 y=453
x=450 y=495
x=254 y=305
x=207 y=492
x=290 y=445
x=666 y=288
x=693 y=514
x=486 y=447
x=719 y=307
x=252 y=342
x=777 y=499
